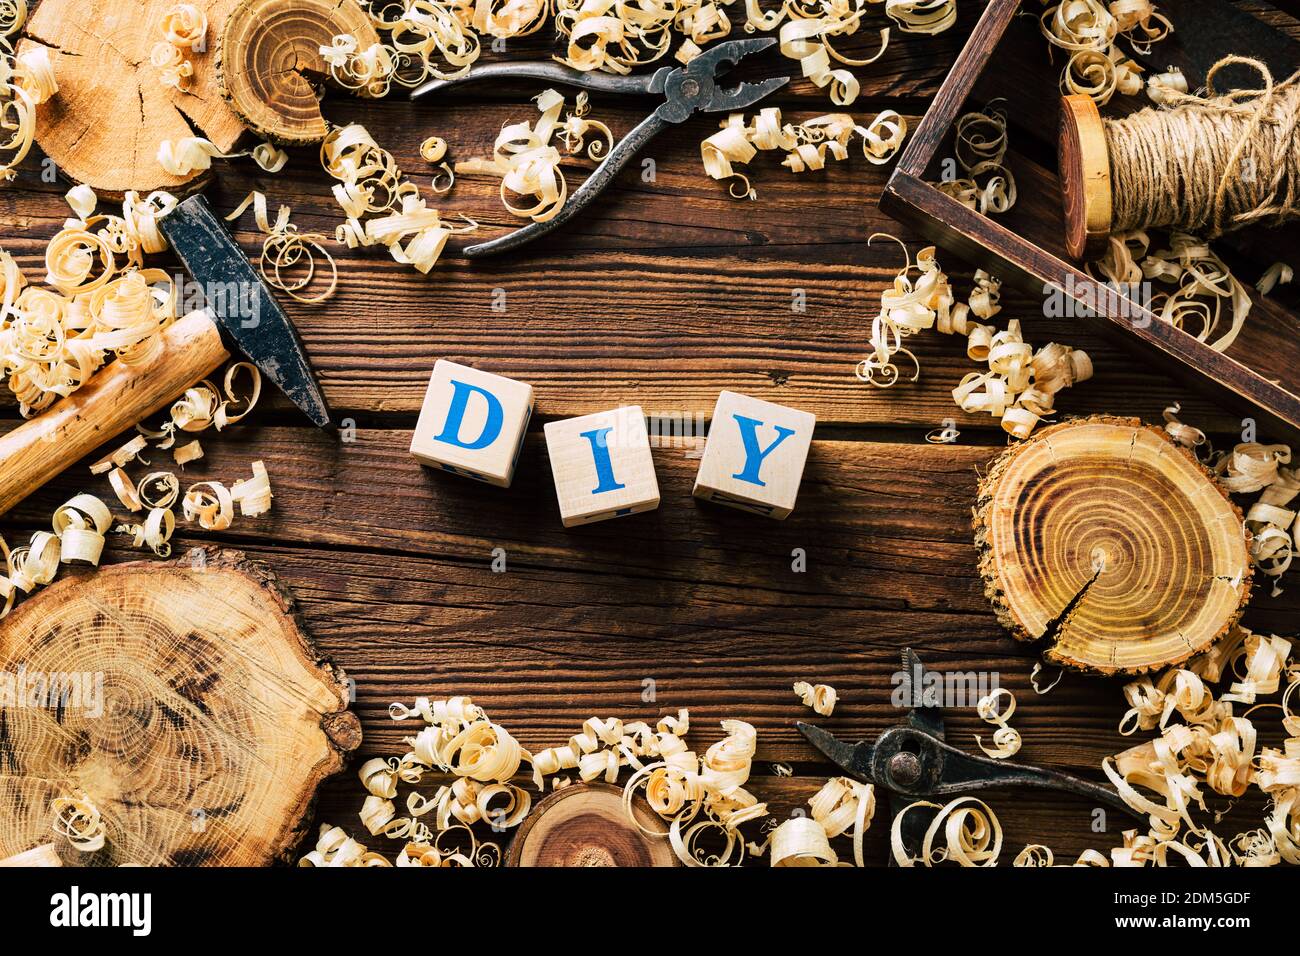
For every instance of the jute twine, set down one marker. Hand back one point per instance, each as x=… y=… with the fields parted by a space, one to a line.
x=1209 y=165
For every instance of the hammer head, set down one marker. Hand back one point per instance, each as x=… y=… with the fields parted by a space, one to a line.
x=242 y=304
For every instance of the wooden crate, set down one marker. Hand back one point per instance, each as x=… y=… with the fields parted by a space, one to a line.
x=1006 y=57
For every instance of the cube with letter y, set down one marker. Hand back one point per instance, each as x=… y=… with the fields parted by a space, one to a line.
x=472 y=423
x=602 y=465
x=754 y=455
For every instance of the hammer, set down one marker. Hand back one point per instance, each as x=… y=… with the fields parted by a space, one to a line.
x=192 y=348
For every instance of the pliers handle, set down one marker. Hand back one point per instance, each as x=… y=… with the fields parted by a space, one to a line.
x=547 y=71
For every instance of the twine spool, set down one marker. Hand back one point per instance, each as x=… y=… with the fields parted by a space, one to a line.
x=1205 y=165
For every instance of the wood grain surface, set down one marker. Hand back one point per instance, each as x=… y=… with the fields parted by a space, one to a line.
x=666 y=293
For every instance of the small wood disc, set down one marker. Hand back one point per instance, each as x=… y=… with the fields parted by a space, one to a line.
x=270 y=58
x=1085 y=177
x=585 y=825
x=1113 y=546
x=183 y=699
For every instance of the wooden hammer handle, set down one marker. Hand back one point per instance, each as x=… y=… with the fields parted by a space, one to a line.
x=116 y=397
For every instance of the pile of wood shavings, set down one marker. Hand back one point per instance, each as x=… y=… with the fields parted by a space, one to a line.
x=424 y=39
x=529 y=164
x=1089 y=31
x=371 y=184
x=1020 y=385
x=1252 y=468
x=26 y=81
x=103 y=303
x=702 y=797
x=806 y=144
x=182 y=27
x=980 y=148
x=1204 y=286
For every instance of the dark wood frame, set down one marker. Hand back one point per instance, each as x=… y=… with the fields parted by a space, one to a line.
x=990 y=245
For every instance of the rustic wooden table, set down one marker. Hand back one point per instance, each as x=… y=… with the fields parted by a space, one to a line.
x=668 y=292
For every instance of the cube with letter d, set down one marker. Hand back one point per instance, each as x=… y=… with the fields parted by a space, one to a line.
x=754 y=455
x=602 y=465
x=472 y=423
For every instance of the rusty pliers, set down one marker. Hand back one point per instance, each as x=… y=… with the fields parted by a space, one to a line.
x=912 y=761
x=687 y=90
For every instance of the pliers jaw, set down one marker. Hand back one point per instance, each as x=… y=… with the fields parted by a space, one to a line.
x=694 y=87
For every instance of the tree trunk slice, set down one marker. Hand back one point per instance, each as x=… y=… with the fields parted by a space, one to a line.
x=584 y=825
x=270 y=57
x=1112 y=546
x=215 y=723
x=104 y=125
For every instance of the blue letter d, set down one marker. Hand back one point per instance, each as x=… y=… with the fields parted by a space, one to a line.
x=456 y=417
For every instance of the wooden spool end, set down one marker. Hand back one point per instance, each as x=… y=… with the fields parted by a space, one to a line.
x=1112 y=546
x=1085 y=177
x=270 y=63
x=584 y=825
x=201 y=725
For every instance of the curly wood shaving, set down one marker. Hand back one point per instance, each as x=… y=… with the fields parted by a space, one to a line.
x=1006 y=739
x=1273 y=520
x=842 y=803
x=530 y=166
x=77 y=819
x=1035 y=854
x=253 y=495
x=80 y=524
x=125 y=489
x=210 y=504
x=1165 y=88
x=184 y=454
x=1277 y=273
x=946 y=435
x=972 y=835
x=288 y=259
x=820 y=698
x=122 y=456
x=1034 y=679
x=922 y=16
x=155 y=533
x=801 y=841
x=808 y=42
x=433 y=149
x=183 y=28
x=270 y=157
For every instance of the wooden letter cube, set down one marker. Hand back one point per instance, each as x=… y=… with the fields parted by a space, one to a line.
x=472 y=423
x=602 y=465
x=754 y=455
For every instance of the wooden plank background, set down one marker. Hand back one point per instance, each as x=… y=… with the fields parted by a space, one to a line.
x=665 y=293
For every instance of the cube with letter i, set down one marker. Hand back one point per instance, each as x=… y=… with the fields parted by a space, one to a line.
x=754 y=455
x=602 y=465
x=472 y=423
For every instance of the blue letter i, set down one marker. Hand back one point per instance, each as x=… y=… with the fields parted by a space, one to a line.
x=604 y=467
